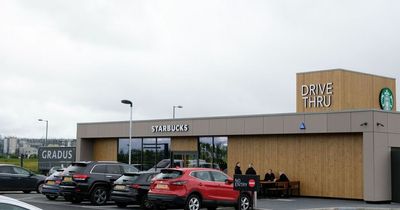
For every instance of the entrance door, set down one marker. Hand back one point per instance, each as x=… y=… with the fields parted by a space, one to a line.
x=395 y=153
x=185 y=159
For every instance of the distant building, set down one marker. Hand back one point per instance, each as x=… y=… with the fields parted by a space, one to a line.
x=30 y=146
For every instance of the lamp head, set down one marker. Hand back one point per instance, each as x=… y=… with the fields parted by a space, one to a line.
x=127 y=102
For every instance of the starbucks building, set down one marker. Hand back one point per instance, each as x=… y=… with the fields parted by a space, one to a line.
x=342 y=142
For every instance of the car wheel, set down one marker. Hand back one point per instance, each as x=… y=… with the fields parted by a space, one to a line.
x=40 y=188
x=244 y=202
x=146 y=203
x=121 y=205
x=99 y=196
x=193 y=203
x=26 y=191
x=52 y=197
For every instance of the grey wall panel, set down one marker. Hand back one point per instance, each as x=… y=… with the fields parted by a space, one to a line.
x=235 y=126
x=254 y=125
x=362 y=122
x=368 y=166
x=382 y=176
x=201 y=127
x=394 y=123
x=218 y=127
x=380 y=121
x=394 y=139
x=273 y=125
x=316 y=123
x=291 y=124
x=339 y=122
x=86 y=150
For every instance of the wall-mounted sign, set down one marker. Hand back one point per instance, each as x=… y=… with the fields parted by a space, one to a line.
x=169 y=128
x=386 y=99
x=317 y=95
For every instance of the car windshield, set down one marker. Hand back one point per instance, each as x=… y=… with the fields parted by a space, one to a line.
x=163 y=164
x=169 y=174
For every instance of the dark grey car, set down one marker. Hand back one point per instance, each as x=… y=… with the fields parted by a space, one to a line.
x=15 y=178
x=91 y=180
x=132 y=188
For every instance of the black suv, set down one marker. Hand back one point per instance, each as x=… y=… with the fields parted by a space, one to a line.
x=91 y=180
x=132 y=188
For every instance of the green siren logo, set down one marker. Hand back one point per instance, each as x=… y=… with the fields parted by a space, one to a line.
x=386 y=99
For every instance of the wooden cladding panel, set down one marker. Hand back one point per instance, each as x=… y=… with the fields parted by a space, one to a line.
x=105 y=149
x=351 y=90
x=326 y=165
x=184 y=144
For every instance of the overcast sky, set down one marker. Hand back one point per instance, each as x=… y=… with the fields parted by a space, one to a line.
x=73 y=61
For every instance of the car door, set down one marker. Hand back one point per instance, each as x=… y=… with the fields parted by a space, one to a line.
x=8 y=178
x=225 y=190
x=205 y=185
x=25 y=179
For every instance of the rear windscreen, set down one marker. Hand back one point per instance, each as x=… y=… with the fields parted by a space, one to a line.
x=129 y=178
x=75 y=168
x=169 y=174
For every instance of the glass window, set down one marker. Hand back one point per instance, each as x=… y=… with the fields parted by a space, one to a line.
x=6 y=170
x=203 y=175
x=113 y=169
x=21 y=171
x=150 y=177
x=213 y=152
x=218 y=176
x=100 y=169
x=123 y=147
x=221 y=152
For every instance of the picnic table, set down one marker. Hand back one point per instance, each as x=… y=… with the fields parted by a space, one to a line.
x=272 y=188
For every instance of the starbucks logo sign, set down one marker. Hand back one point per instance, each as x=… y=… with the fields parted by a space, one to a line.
x=386 y=99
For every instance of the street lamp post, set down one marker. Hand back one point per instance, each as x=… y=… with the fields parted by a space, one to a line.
x=47 y=129
x=130 y=128
x=173 y=110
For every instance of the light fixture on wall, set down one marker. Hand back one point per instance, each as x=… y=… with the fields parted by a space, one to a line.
x=364 y=124
x=380 y=124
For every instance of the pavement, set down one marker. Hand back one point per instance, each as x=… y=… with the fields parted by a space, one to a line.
x=262 y=204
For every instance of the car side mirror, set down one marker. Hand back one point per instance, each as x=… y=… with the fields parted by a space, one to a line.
x=228 y=181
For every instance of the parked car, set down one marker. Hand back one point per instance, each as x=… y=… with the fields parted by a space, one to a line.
x=204 y=165
x=195 y=188
x=14 y=204
x=54 y=169
x=15 y=178
x=91 y=180
x=51 y=185
x=132 y=188
x=165 y=163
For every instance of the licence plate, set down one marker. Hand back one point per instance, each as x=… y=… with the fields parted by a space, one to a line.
x=119 y=187
x=50 y=182
x=67 y=179
x=162 y=187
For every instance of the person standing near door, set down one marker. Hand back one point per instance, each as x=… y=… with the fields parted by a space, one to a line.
x=250 y=170
x=237 y=169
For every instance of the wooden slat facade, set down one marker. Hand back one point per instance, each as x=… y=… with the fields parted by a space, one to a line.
x=351 y=90
x=183 y=144
x=105 y=149
x=327 y=165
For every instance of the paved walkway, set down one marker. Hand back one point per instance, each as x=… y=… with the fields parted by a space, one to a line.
x=318 y=203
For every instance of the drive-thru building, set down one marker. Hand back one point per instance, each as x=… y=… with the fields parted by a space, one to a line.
x=340 y=143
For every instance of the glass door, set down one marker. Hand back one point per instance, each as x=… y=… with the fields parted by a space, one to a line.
x=185 y=159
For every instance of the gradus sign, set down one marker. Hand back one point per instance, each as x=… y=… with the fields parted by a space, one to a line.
x=55 y=156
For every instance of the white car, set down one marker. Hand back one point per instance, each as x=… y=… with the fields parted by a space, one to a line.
x=13 y=204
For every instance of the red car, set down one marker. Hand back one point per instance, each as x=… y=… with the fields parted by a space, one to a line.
x=195 y=188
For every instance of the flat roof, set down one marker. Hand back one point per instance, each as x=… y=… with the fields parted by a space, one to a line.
x=346 y=70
